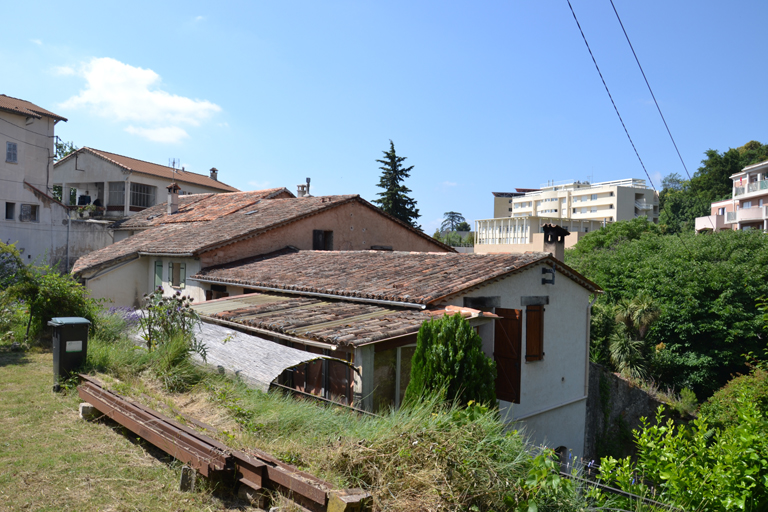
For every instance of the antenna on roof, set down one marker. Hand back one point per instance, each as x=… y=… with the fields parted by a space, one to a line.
x=172 y=163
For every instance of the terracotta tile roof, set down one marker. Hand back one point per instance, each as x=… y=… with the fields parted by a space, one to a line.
x=420 y=278
x=25 y=108
x=160 y=171
x=199 y=236
x=200 y=207
x=335 y=322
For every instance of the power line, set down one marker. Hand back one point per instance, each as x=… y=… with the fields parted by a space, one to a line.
x=650 y=90
x=618 y=114
x=23 y=141
x=26 y=129
x=609 y=95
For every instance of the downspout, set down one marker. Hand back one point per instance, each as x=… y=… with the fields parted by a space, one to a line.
x=69 y=223
x=586 y=357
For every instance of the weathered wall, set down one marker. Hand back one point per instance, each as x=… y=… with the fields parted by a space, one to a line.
x=614 y=409
x=355 y=228
x=123 y=285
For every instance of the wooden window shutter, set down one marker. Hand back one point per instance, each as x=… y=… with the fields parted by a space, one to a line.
x=158 y=274
x=208 y=295
x=182 y=275
x=506 y=353
x=534 y=333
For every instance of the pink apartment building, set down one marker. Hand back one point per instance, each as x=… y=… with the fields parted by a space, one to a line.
x=748 y=206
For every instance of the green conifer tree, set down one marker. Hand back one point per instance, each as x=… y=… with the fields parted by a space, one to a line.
x=395 y=200
x=449 y=359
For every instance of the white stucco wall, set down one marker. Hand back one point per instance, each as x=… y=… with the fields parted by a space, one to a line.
x=556 y=385
x=94 y=174
x=44 y=240
x=123 y=285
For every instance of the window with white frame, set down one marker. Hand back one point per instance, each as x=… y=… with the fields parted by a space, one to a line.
x=142 y=195
x=11 y=152
x=594 y=197
x=29 y=213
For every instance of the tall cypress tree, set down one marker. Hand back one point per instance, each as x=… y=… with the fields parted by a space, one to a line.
x=395 y=200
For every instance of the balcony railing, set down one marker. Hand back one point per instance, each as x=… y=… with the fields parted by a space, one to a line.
x=642 y=205
x=730 y=216
x=755 y=186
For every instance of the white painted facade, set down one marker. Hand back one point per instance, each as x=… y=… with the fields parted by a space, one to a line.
x=121 y=191
x=31 y=218
x=553 y=391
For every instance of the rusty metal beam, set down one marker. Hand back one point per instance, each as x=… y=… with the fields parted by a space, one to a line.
x=255 y=469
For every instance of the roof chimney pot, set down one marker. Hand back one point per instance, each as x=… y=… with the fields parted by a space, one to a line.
x=214 y=174
x=173 y=198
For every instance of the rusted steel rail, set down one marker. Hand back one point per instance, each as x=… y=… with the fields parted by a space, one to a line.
x=255 y=469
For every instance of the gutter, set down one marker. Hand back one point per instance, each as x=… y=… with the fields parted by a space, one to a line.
x=542 y=411
x=314 y=294
x=265 y=332
x=589 y=342
x=167 y=254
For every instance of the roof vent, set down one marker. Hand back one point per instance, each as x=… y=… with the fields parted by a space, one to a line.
x=214 y=174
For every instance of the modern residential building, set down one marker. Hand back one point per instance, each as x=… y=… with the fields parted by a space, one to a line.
x=125 y=185
x=609 y=201
x=578 y=206
x=748 y=206
x=37 y=223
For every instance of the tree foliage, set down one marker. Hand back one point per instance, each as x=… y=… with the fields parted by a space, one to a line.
x=395 y=200
x=681 y=201
x=451 y=221
x=44 y=291
x=449 y=359
x=705 y=287
x=63 y=149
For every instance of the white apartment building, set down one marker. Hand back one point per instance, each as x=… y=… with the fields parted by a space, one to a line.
x=579 y=207
x=609 y=201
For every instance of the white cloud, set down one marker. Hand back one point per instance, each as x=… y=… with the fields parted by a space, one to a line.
x=125 y=93
x=37 y=42
x=63 y=70
x=259 y=185
x=449 y=184
x=199 y=18
x=656 y=177
x=223 y=125
x=167 y=134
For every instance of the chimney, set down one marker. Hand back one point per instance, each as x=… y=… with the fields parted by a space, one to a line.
x=214 y=174
x=554 y=240
x=303 y=190
x=173 y=198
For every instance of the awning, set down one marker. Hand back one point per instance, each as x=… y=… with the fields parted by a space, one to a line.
x=255 y=360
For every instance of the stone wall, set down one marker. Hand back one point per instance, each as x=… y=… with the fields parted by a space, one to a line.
x=614 y=409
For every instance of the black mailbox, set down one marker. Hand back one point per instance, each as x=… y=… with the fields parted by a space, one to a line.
x=70 y=346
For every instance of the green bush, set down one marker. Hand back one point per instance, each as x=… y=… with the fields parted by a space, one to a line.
x=697 y=467
x=724 y=406
x=42 y=290
x=449 y=359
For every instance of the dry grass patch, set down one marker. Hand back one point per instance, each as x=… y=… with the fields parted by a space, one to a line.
x=50 y=459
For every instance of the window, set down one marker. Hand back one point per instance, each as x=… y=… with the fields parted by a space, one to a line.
x=29 y=213
x=217 y=291
x=746 y=204
x=116 y=193
x=322 y=240
x=510 y=209
x=177 y=274
x=583 y=210
x=158 y=274
x=594 y=209
x=574 y=210
x=10 y=211
x=610 y=206
x=721 y=211
x=594 y=197
x=392 y=373
x=610 y=193
x=534 y=333
x=11 y=153
x=142 y=195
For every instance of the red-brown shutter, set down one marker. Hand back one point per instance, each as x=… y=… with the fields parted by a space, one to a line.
x=534 y=333
x=506 y=353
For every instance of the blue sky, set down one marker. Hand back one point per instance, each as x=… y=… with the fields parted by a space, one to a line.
x=481 y=96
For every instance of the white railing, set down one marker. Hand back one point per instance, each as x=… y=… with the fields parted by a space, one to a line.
x=574 y=185
x=642 y=205
x=520 y=230
x=730 y=216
